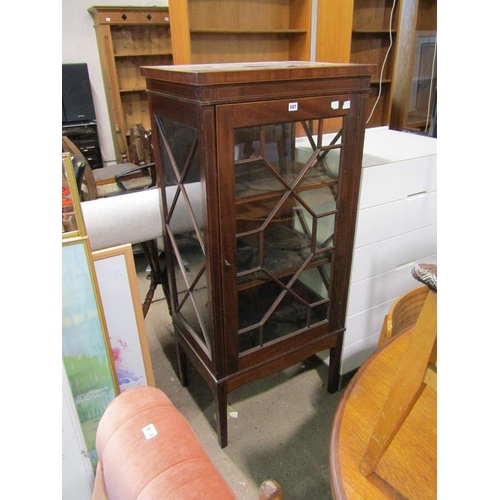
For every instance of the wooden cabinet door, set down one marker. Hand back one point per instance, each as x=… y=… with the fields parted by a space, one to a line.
x=287 y=221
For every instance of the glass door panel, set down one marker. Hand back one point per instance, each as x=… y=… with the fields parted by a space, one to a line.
x=286 y=191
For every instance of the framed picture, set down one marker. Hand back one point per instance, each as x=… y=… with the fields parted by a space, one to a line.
x=119 y=290
x=72 y=218
x=86 y=352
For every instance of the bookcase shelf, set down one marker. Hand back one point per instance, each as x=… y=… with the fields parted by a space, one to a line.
x=225 y=31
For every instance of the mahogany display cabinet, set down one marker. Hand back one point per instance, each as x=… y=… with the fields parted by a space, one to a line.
x=258 y=232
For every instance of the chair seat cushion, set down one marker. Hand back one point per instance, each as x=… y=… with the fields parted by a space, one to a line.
x=107 y=174
x=133 y=184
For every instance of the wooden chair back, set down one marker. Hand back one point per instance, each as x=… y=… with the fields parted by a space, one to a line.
x=68 y=146
x=417 y=368
x=403 y=313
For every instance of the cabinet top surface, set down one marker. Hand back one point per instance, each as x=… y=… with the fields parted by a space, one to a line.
x=224 y=73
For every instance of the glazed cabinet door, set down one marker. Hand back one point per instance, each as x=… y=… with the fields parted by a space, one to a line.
x=185 y=164
x=287 y=218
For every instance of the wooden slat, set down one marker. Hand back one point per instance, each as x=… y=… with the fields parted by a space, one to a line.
x=181 y=38
x=334 y=30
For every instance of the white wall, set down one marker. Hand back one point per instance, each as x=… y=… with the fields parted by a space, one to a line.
x=79 y=45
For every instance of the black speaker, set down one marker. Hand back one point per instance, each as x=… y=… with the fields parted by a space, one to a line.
x=77 y=103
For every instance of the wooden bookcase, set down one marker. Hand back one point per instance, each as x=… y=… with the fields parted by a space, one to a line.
x=128 y=38
x=372 y=33
x=227 y=31
x=378 y=25
x=415 y=75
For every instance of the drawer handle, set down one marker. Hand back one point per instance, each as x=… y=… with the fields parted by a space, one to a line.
x=415 y=196
x=406 y=264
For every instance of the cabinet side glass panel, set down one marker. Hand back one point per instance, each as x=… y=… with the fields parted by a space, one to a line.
x=286 y=191
x=179 y=154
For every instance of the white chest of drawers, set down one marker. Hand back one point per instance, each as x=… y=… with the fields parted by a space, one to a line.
x=396 y=228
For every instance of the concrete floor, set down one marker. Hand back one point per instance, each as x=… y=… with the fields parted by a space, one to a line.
x=279 y=427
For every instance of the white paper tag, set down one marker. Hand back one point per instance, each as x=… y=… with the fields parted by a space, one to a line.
x=149 y=431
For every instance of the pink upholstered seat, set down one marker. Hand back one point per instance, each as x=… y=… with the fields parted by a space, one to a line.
x=170 y=465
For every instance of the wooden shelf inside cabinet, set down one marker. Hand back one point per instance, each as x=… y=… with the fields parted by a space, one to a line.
x=128 y=38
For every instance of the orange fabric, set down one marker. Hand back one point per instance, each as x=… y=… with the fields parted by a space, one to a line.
x=170 y=465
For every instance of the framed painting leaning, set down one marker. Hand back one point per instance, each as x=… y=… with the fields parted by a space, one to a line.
x=86 y=352
x=119 y=289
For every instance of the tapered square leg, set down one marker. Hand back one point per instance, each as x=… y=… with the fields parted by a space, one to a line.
x=334 y=369
x=221 y=414
x=182 y=365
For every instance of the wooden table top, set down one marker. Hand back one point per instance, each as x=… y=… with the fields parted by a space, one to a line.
x=409 y=467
